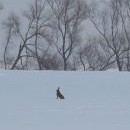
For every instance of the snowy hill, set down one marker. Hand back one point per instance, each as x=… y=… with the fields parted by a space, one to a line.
x=93 y=101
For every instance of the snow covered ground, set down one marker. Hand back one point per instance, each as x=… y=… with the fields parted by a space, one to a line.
x=93 y=100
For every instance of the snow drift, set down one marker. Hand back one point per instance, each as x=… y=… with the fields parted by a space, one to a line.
x=93 y=100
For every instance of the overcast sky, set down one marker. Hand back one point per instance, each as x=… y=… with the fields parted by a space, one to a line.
x=18 y=6
x=14 y=5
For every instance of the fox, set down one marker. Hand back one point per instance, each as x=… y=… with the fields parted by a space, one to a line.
x=59 y=95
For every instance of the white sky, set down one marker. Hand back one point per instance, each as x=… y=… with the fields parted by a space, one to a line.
x=15 y=4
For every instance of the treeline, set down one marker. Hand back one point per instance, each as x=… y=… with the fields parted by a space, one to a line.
x=52 y=35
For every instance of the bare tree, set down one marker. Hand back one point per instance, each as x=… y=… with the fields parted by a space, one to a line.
x=35 y=32
x=8 y=25
x=49 y=36
x=24 y=39
x=110 y=31
x=67 y=17
x=36 y=13
x=95 y=56
x=123 y=9
x=41 y=29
